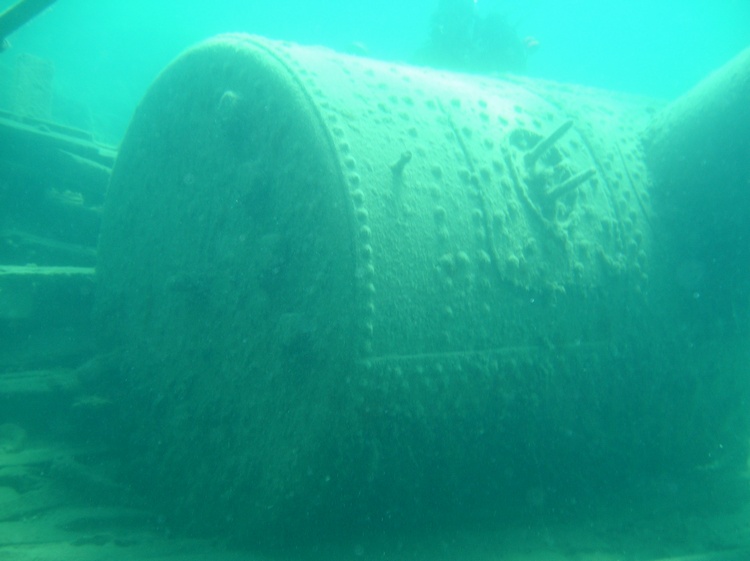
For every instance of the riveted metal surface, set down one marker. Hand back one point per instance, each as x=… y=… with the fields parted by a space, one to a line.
x=362 y=289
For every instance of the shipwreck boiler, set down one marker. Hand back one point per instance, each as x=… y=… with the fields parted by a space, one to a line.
x=343 y=290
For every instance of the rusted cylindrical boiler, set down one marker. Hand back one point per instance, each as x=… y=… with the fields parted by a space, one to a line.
x=347 y=291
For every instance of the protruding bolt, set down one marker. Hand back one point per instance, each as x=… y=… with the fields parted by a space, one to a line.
x=545 y=144
x=398 y=168
x=569 y=184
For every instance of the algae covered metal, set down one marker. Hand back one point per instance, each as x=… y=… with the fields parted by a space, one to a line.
x=343 y=290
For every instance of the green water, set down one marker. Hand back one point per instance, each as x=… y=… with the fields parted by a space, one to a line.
x=106 y=54
x=341 y=310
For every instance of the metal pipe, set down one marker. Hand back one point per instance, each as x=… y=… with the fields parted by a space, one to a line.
x=546 y=143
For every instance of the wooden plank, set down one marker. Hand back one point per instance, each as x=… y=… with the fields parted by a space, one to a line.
x=38 y=382
x=732 y=555
x=35 y=271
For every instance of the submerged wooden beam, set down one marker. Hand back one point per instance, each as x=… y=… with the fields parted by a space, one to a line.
x=19 y=14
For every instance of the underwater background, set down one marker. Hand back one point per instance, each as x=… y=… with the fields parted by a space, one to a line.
x=285 y=301
x=105 y=54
